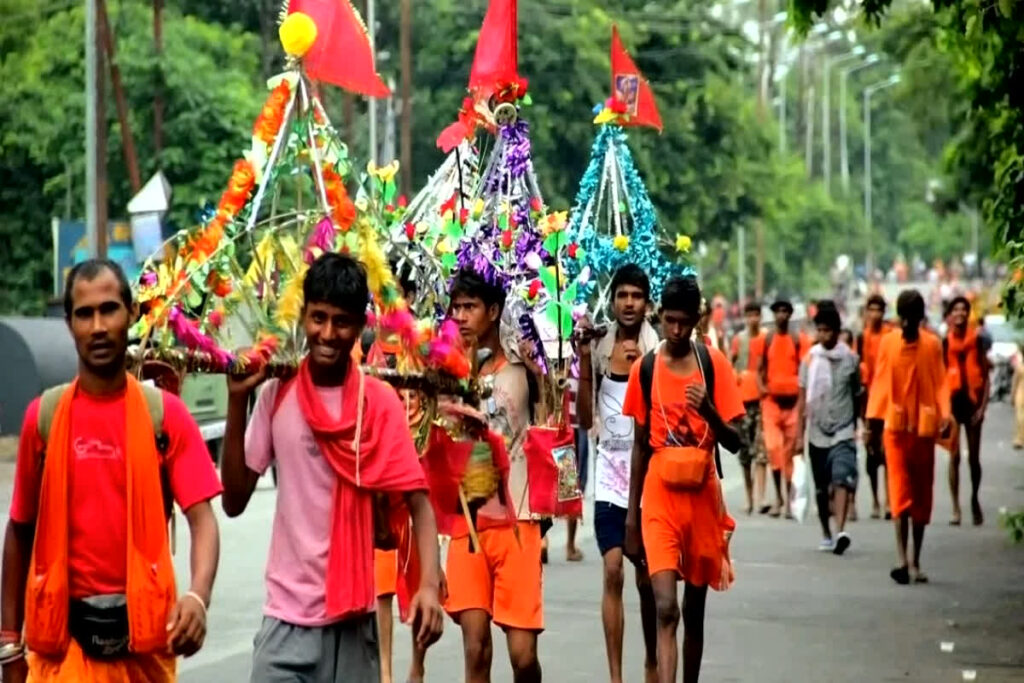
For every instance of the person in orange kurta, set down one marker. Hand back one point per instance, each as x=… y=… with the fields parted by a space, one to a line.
x=747 y=347
x=684 y=529
x=910 y=395
x=868 y=342
x=778 y=376
x=967 y=371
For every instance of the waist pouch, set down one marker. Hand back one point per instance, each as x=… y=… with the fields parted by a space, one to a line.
x=683 y=467
x=100 y=625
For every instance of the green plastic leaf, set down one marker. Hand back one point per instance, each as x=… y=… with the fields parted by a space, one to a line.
x=390 y=190
x=570 y=293
x=449 y=261
x=554 y=242
x=560 y=316
x=503 y=222
x=527 y=100
x=453 y=230
x=548 y=280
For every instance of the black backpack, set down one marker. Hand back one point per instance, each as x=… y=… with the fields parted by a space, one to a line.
x=707 y=371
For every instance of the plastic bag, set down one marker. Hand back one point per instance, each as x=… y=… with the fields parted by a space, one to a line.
x=798 y=504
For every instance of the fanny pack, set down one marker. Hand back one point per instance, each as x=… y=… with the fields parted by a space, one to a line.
x=683 y=467
x=786 y=401
x=99 y=624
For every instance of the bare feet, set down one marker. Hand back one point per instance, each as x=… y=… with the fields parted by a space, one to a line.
x=917 y=575
x=955 y=519
x=749 y=509
x=977 y=514
x=651 y=674
x=573 y=555
x=876 y=511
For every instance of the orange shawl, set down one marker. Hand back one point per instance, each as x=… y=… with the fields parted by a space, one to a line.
x=364 y=450
x=909 y=383
x=150 y=586
x=963 y=366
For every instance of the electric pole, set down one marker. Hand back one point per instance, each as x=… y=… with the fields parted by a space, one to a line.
x=405 y=49
x=762 y=103
x=158 y=97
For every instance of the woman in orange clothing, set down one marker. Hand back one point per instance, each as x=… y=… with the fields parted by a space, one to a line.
x=910 y=395
x=967 y=371
x=685 y=527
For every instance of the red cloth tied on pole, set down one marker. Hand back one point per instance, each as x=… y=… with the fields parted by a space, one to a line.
x=551 y=468
x=496 y=62
x=631 y=88
x=342 y=54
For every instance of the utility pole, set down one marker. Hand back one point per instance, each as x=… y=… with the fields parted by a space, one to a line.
x=869 y=228
x=405 y=49
x=158 y=96
x=809 y=133
x=95 y=137
x=844 y=154
x=741 y=262
x=762 y=97
x=371 y=24
x=131 y=158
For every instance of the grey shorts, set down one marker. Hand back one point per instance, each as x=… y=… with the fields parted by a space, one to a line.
x=835 y=466
x=345 y=652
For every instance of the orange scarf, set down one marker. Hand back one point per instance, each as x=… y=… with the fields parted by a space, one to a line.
x=360 y=449
x=150 y=586
x=962 y=359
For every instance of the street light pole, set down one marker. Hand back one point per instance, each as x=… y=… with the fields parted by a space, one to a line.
x=826 y=112
x=371 y=25
x=844 y=153
x=868 y=218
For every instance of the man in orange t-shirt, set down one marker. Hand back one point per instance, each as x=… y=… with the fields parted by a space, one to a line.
x=683 y=531
x=778 y=375
x=868 y=342
x=910 y=395
x=747 y=348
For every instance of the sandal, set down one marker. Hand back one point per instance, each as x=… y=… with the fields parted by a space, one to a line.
x=574 y=555
x=920 y=576
x=900 y=575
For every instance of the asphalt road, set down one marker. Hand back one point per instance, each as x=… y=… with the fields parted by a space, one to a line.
x=793 y=615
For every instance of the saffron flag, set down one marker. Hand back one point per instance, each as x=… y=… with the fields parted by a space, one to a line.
x=631 y=88
x=496 y=62
x=342 y=54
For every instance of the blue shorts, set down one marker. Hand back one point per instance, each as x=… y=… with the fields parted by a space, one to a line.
x=609 y=526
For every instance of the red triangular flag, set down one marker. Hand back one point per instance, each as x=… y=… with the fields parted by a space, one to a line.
x=341 y=54
x=631 y=88
x=496 y=62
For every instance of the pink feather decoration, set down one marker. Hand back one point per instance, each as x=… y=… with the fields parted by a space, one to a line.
x=187 y=332
x=321 y=241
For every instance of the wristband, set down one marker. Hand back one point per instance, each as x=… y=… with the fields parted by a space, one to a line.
x=195 y=596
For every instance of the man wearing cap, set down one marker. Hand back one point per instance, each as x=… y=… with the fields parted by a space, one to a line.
x=778 y=376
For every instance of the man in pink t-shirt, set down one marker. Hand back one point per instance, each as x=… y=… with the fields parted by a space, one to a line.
x=337 y=439
x=103 y=466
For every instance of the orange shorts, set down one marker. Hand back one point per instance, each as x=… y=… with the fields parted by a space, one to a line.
x=686 y=532
x=385 y=572
x=910 y=469
x=780 y=428
x=503 y=577
x=75 y=666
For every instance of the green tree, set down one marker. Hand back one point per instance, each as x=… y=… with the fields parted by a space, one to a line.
x=210 y=93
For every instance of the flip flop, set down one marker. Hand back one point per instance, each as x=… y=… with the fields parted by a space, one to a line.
x=955 y=521
x=764 y=509
x=920 y=577
x=900 y=575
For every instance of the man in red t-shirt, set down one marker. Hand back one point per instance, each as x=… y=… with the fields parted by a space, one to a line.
x=101 y=451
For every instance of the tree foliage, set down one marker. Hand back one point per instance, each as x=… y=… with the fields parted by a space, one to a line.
x=983 y=42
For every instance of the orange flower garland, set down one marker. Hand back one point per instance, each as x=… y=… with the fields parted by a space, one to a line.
x=268 y=123
x=343 y=211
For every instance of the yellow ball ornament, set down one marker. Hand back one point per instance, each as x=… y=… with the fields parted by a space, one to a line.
x=297 y=33
x=683 y=244
x=621 y=242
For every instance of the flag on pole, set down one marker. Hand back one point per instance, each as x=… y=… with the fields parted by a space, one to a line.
x=630 y=89
x=342 y=54
x=496 y=62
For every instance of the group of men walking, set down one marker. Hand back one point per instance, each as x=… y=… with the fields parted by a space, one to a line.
x=88 y=587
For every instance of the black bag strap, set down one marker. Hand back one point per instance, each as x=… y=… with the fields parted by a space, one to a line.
x=707 y=371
